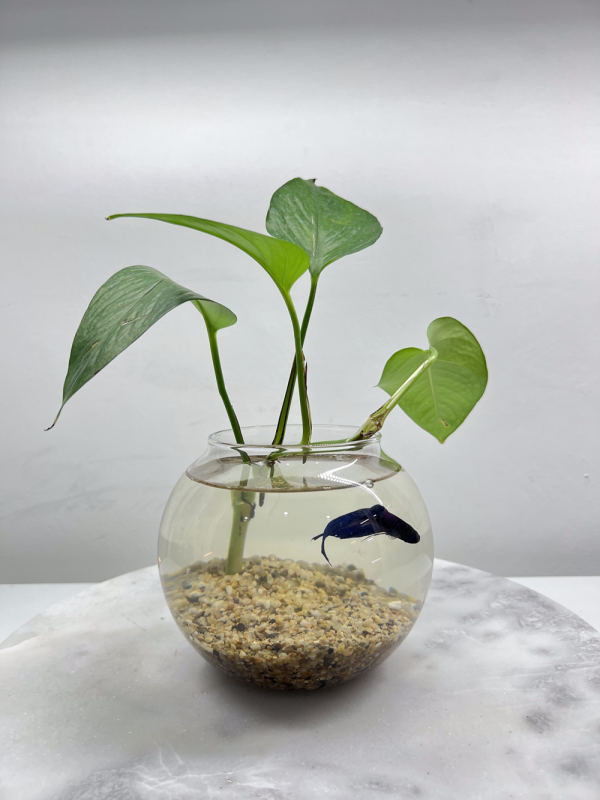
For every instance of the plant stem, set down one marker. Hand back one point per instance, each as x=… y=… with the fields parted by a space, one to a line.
x=304 y=410
x=289 y=392
x=243 y=506
x=375 y=421
x=243 y=503
x=286 y=406
x=314 y=279
x=214 y=351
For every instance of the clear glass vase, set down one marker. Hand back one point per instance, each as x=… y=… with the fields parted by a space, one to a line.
x=295 y=567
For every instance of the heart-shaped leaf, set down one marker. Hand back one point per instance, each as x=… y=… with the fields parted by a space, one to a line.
x=442 y=398
x=284 y=261
x=124 y=307
x=324 y=225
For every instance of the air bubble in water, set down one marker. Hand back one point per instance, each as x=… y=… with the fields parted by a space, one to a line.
x=368 y=483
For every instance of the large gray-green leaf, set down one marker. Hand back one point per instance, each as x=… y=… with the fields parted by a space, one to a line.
x=324 y=225
x=284 y=261
x=129 y=303
x=442 y=398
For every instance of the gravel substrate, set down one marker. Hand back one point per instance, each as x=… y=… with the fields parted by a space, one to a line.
x=288 y=624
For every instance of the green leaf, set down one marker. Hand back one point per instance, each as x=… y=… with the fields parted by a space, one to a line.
x=129 y=303
x=442 y=398
x=215 y=315
x=284 y=261
x=324 y=225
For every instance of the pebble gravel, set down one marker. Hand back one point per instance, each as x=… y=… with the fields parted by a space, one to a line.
x=287 y=624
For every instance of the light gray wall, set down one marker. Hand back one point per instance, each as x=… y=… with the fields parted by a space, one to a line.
x=470 y=129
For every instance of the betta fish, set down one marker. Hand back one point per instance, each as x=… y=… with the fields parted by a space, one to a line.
x=368 y=522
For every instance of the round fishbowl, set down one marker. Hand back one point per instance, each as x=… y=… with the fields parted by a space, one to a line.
x=295 y=566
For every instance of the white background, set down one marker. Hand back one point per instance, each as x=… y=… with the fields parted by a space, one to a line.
x=470 y=129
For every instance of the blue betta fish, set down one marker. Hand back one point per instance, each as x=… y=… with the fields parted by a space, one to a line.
x=368 y=522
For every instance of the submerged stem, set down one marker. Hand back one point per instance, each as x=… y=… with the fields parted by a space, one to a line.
x=289 y=392
x=243 y=507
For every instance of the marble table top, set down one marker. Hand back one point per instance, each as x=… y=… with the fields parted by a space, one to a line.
x=495 y=694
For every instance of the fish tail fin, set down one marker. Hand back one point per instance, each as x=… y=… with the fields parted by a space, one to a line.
x=323 y=551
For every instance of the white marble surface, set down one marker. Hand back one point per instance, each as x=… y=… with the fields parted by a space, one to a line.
x=495 y=694
x=578 y=593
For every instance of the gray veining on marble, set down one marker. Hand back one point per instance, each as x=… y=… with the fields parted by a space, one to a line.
x=495 y=694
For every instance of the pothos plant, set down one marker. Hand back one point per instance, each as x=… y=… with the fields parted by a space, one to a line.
x=310 y=228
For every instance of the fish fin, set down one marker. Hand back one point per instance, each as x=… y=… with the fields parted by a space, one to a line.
x=323 y=550
x=317 y=537
x=370 y=515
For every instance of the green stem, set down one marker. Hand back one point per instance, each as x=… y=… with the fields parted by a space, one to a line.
x=243 y=503
x=375 y=421
x=304 y=410
x=314 y=279
x=289 y=392
x=286 y=406
x=214 y=351
x=243 y=507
